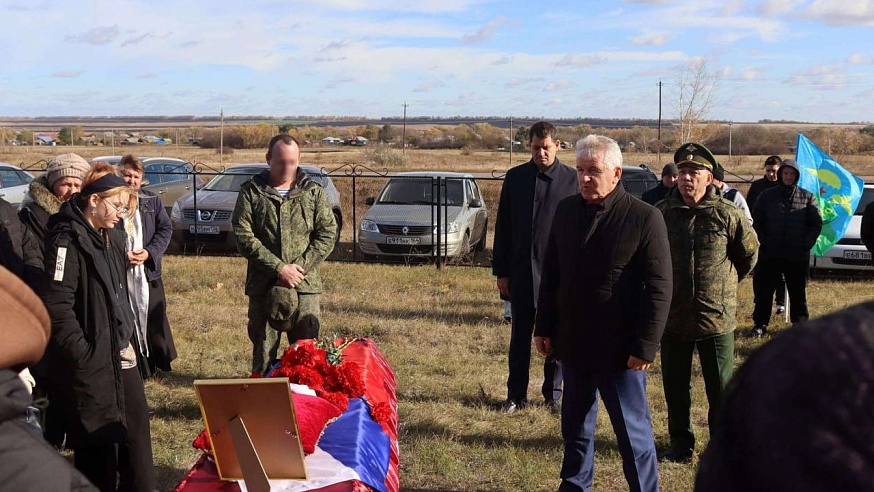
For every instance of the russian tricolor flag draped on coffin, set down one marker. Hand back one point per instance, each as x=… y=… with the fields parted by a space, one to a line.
x=354 y=454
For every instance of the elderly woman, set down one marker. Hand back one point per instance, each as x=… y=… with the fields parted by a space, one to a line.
x=148 y=234
x=63 y=178
x=93 y=336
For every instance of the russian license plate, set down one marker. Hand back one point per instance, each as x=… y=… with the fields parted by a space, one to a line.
x=409 y=241
x=857 y=255
x=204 y=229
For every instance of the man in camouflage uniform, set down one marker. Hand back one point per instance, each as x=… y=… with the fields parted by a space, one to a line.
x=284 y=228
x=713 y=247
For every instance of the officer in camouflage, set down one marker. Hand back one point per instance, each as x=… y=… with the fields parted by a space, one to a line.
x=713 y=247
x=284 y=228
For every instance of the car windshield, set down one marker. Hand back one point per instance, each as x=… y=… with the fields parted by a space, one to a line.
x=420 y=191
x=867 y=197
x=231 y=181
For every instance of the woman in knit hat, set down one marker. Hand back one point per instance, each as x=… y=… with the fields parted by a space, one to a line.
x=93 y=335
x=63 y=177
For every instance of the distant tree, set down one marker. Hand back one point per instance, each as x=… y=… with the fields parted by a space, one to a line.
x=868 y=130
x=70 y=135
x=370 y=132
x=25 y=136
x=386 y=134
x=695 y=94
x=287 y=128
x=521 y=135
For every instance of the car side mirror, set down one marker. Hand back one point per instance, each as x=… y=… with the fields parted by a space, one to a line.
x=369 y=200
x=476 y=203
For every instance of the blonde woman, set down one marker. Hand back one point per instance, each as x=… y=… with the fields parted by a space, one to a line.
x=93 y=336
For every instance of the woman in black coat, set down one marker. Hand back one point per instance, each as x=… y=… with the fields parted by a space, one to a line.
x=148 y=235
x=93 y=336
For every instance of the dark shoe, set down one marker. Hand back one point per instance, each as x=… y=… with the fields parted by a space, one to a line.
x=554 y=407
x=759 y=331
x=511 y=406
x=671 y=455
x=781 y=309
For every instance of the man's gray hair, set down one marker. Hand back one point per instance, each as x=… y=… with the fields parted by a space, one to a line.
x=600 y=146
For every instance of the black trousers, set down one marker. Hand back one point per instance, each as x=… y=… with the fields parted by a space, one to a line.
x=519 y=359
x=126 y=466
x=780 y=291
x=162 y=349
x=769 y=271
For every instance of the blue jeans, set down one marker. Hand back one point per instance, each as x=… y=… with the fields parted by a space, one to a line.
x=624 y=395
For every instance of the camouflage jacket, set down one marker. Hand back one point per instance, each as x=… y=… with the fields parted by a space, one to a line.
x=713 y=247
x=272 y=231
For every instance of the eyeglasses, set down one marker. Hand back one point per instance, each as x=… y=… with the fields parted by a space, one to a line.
x=121 y=211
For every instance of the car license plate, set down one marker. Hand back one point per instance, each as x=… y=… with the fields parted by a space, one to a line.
x=857 y=255
x=403 y=240
x=204 y=229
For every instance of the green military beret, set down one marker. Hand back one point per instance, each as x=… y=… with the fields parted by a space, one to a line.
x=694 y=155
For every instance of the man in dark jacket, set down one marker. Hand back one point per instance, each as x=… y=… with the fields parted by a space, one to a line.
x=769 y=180
x=604 y=299
x=788 y=222
x=713 y=247
x=658 y=193
x=530 y=194
x=27 y=462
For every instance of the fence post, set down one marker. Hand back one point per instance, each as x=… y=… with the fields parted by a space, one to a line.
x=354 y=220
x=196 y=213
x=438 y=248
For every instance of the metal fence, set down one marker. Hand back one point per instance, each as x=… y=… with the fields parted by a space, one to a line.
x=415 y=217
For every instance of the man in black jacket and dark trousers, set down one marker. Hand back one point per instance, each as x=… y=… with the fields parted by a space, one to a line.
x=768 y=181
x=670 y=175
x=604 y=299
x=530 y=194
x=788 y=222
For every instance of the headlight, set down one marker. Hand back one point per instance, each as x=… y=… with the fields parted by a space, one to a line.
x=453 y=228
x=369 y=226
x=176 y=213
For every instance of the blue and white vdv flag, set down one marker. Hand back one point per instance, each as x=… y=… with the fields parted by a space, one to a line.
x=837 y=190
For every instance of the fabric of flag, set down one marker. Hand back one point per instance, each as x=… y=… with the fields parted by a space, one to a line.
x=837 y=190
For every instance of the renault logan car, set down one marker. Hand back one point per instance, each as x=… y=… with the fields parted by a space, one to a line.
x=849 y=253
x=210 y=215
x=403 y=218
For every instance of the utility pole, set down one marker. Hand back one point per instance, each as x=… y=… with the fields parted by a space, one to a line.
x=512 y=141
x=729 y=141
x=659 y=137
x=404 y=133
x=222 y=138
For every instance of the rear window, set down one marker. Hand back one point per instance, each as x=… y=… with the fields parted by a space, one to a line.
x=867 y=197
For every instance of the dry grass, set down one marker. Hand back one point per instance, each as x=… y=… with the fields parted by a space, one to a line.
x=442 y=334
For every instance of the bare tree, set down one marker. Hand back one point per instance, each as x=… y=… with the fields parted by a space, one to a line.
x=696 y=93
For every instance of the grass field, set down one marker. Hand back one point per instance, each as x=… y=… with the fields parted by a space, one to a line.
x=442 y=333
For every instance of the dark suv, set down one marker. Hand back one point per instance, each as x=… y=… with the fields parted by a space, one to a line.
x=638 y=179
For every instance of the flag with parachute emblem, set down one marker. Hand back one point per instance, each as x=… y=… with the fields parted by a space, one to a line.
x=837 y=190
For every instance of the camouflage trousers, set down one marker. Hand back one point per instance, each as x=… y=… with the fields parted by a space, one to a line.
x=266 y=340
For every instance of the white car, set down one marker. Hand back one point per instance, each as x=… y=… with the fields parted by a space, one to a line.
x=14 y=183
x=849 y=253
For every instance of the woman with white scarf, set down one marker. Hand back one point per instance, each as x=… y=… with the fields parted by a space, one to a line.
x=148 y=235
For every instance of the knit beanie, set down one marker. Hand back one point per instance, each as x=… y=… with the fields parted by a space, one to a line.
x=65 y=165
x=25 y=326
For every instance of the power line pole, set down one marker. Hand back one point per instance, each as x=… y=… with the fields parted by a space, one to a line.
x=404 y=132
x=222 y=138
x=659 y=137
x=512 y=141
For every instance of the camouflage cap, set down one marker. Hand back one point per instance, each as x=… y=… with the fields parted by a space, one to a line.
x=694 y=155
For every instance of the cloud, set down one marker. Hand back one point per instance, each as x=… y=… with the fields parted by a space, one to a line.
x=484 y=33
x=820 y=77
x=328 y=59
x=67 y=74
x=504 y=60
x=779 y=7
x=833 y=13
x=428 y=86
x=652 y=39
x=858 y=59
x=336 y=45
x=580 y=61
x=421 y=6
x=560 y=85
x=97 y=36
x=520 y=81
x=334 y=83
x=136 y=40
x=189 y=44
x=147 y=76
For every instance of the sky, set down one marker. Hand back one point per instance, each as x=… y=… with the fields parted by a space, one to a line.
x=802 y=60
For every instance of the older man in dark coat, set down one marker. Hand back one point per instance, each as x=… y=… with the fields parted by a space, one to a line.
x=604 y=300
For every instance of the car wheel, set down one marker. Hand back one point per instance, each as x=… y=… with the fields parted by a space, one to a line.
x=481 y=244
x=464 y=252
x=339 y=220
